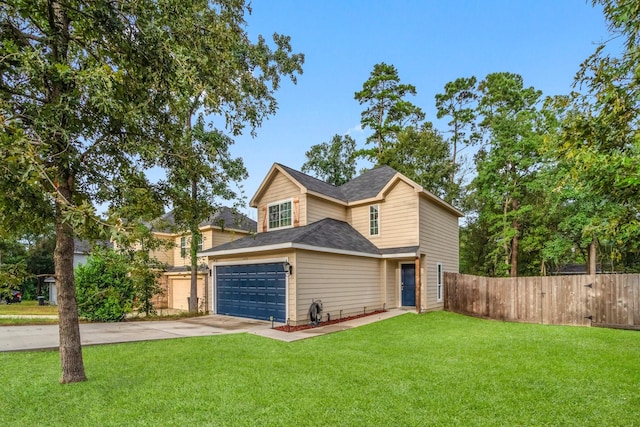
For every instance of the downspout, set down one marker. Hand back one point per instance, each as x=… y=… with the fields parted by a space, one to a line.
x=207 y=272
x=418 y=284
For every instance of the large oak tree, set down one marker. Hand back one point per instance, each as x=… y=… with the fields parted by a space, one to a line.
x=87 y=90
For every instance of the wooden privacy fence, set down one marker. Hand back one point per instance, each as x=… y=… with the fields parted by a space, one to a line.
x=611 y=300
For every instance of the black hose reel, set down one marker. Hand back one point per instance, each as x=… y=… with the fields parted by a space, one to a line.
x=315 y=312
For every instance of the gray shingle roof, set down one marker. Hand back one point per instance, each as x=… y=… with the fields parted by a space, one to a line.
x=314 y=184
x=369 y=184
x=84 y=247
x=365 y=186
x=225 y=217
x=327 y=233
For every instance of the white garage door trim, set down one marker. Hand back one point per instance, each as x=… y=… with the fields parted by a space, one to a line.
x=212 y=271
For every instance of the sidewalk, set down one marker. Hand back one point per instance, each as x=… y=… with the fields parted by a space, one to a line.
x=45 y=337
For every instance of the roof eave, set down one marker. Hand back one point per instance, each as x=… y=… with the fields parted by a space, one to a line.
x=324 y=196
x=292 y=245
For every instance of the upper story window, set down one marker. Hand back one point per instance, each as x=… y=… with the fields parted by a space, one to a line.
x=199 y=239
x=279 y=215
x=374 y=220
x=183 y=247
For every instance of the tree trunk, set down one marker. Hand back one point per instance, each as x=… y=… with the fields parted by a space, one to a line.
x=195 y=240
x=454 y=154
x=592 y=257
x=514 y=241
x=68 y=325
x=69 y=328
x=514 y=253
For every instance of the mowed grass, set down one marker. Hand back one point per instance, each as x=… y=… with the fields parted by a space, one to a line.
x=431 y=369
x=30 y=308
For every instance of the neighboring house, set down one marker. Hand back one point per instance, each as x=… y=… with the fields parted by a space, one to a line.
x=225 y=226
x=575 y=269
x=378 y=241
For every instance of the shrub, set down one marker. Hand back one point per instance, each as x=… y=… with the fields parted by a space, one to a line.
x=104 y=288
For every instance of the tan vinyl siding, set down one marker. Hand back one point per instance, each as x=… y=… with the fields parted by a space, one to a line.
x=398 y=218
x=178 y=259
x=392 y=281
x=207 y=238
x=164 y=254
x=440 y=243
x=282 y=188
x=342 y=282
x=318 y=209
x=210 y=237
x=220 y=237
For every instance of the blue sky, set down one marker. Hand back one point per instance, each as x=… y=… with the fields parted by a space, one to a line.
x=429 y=42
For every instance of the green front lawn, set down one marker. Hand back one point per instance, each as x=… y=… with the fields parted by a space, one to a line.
x=433 y=369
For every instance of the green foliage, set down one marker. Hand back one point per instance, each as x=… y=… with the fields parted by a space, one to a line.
x=13 y=266
x=460 y=371
x=333 y=162
x=388 y=112
x=422 y=155
x=137 y=248
x=507 y=169
x=94 y=93
x=600 y=139
x=459 y=104
x=219 y=72
x=104 y=288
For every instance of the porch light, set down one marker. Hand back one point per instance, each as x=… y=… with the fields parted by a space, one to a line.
x=288 y=268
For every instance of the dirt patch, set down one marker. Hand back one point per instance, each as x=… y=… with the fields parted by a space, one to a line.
x=289 y=328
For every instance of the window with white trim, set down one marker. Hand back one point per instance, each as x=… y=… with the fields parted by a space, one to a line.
x=279 y=215
x=199 y=239
x=439 y=282
x=183 y=247
x=374 y=220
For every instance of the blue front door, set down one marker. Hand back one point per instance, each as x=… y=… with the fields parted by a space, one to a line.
x=408 y=284
x=257 y=291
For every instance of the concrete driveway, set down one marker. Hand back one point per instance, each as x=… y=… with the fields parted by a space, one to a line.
x=45 y=337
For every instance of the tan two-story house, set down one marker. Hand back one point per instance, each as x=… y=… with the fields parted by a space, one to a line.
x=224 y=226
x=379 y=241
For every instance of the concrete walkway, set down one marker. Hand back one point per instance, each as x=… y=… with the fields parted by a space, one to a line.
x=45 y=337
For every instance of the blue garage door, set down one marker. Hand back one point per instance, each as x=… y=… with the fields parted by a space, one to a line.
x=253 y=290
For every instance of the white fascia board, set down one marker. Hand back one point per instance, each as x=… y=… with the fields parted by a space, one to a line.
x=334 y=251
x=324 y=196
x=405 y=255
x=250 y=261
x=287 y=245
x=369 y=201
x=290 y=245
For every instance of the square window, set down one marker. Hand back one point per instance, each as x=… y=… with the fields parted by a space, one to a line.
x=280 y=215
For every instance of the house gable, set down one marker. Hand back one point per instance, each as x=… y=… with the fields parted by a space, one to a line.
x=311 y=199
x=224 y=226
x=279 y=187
